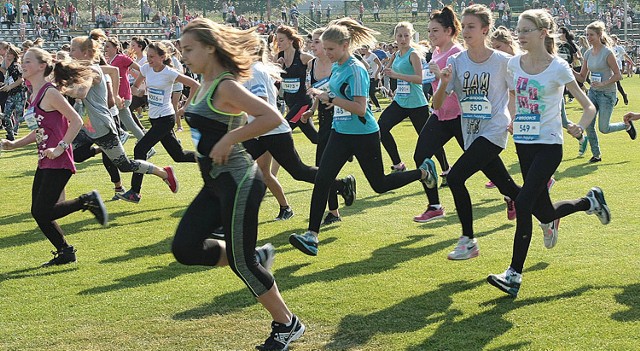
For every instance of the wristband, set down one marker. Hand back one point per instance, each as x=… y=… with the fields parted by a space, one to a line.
x=63 y=145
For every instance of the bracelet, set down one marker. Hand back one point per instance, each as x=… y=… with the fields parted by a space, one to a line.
x=63 y=145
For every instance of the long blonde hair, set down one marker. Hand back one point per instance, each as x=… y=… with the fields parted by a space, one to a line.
x=503 y=35
x=601 y=30
x=91 y=44
x=421 y=50
x=348 y=30
x=235 y=49
x=543 y=20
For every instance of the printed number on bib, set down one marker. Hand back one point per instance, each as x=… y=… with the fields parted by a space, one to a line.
x=526 y=126
x=403 y=87
x=596 y=77
x=156 y=97
x=30 y=118
x=291 y=85
x=341 y=114
x=322 y=84
x=427 y=76
x=476 y=107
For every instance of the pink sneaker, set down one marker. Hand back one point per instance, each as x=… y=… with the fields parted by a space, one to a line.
x=171 y=180
x=430 y=214
x=490 y=185
x=511 y=208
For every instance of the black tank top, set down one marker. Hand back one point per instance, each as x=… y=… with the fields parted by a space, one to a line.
x=294 y=81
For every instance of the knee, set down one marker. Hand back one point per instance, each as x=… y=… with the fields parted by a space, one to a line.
x=39 y=213
x=182 y=252
x=454 y=179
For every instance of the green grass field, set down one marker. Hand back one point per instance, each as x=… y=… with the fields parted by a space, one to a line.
x=380 y=282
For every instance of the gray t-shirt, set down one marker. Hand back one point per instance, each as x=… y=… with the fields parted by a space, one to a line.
x=600 y=70
x=483 y=91
x=94 y=111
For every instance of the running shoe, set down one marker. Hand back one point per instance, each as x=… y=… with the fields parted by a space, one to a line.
x=595 y=159
x=265 y=255
x=284 y=214
x=349 y=192
x=430 y=178
x=129 y=196
x=151 y=153
x=218 y=233
x=550 y=233
x=307 y=243
x=509 y=281
x=465 y=249
x=632 y=131
x=430 y=214
x=124 y=136
x=330 y=218
x=64 y=256
x=598 y=205
x=490 y=185
x=282 y=335
x=171 y=180
x=401 y=167
x=94 y=204
x=118 y=190
x=511 y=208
x=625 y=98
x=582 y=145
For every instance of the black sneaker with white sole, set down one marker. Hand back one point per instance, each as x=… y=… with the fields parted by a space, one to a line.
x=349 y=192
x=285 y=213
x=330 y=218
x=93 y=203
x=64 y=256
x=598 y=205
x=282 y=335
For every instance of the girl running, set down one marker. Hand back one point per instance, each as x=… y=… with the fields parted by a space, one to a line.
x=98 y=123
x=601 y=62
x=159 y=78
x=539 y=78
x=139 y=46
x=176 y=93
x=355 y=132
x=294 y=62
x=479 y=78
x=375 y=68
x=115 y=57
x=409 y=100
x=444 y=122
x=233 y=188
x=14 y=107
x=54 y=124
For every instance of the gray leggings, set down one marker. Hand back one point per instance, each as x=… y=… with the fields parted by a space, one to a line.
x=111 y=146
x=127 y=119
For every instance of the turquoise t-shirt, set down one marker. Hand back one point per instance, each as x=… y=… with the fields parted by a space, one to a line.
x=408 y=95
x=348 y=80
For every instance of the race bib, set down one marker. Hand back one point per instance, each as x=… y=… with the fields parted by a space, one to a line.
x=322 y=84
x=291 y=85
x=403 y=87
x=526 y=126
x=596 y=77
x=476 y=107
x=30 y=118
x=341 y=114
x=155 y=96
x=427 y=76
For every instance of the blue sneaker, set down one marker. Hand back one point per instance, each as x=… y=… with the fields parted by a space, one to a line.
x=509 y=281
x=307 y=243
x=431 y=178
x=582 y=148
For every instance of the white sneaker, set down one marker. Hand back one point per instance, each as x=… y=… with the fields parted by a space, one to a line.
x=465 y=249
x=550 y=232
x=598 y=205
x=265 y=255
x=509 y=281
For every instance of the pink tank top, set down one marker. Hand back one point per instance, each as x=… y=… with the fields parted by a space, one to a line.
x=450 y=109
x=52 y=127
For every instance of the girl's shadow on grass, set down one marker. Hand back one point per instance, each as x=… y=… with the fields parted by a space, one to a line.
x=630 y=297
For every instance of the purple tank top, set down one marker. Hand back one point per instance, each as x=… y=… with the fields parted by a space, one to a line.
x=52 y=127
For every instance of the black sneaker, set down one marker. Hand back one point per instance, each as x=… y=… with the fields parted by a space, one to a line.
x=284 y=214
x=281 y=335
x=632 y=131
x=349 y=192
x=118 y=191
x=218 y=233
x=64 y=256
x=625 y=98
x=93 y=202
x=330 y=219
x=595 y=159
x=444 y=183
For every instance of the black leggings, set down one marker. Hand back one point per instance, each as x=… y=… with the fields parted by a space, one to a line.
x=293 y=117
x=538 y=162
x=431 y=140
x=325 y=120
x=233 y=201
x=482 y=155
x=366 y=148
x=373 y=86
x=284 y=152
x=620 y=88
x=161 y=131
x=393 y=115
x=85 y=151
x=48 y=184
